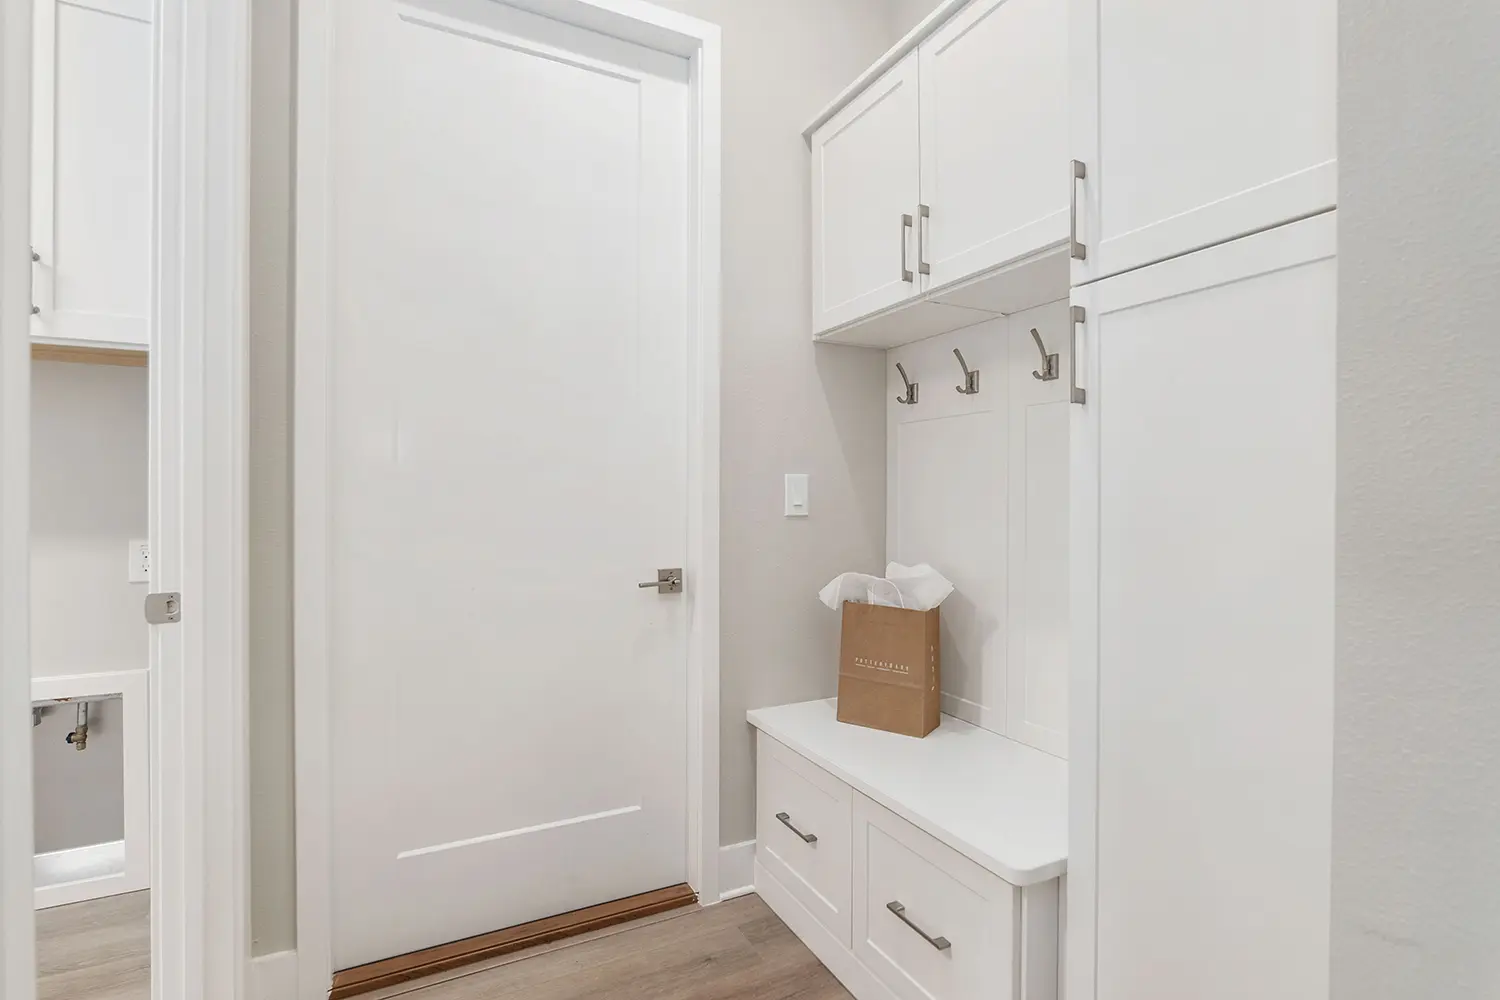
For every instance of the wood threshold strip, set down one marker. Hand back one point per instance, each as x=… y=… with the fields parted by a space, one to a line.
x=431 y=961
x=89 y=355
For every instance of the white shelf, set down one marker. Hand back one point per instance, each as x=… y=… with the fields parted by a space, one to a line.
x=997 y=802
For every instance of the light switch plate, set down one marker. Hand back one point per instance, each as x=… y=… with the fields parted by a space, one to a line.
x=140 y=560
x=796 y=494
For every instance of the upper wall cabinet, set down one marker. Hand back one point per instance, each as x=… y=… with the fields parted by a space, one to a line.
x=939 y=198
x=994 y=128
x=1194 y=123
x=91 y=173
x=865 y=177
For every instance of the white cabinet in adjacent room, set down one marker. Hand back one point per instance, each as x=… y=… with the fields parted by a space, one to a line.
x=864 y=201
x=91 y=173
x=994 y=135
x=1196 y=123
x=1202 y=682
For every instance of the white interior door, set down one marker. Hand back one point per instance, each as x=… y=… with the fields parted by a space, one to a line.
x=508 y=427
x=1203 y=625
x=994 y=135
x=91 y=172
x=865 y=190
x=1198 y=122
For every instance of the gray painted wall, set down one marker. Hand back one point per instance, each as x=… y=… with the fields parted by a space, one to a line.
x=88 y=500
x=78 y=796
x=907 y=14
x=1416 y=835
x=787 y=407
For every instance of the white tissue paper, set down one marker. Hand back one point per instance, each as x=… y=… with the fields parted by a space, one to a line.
x=916 y=588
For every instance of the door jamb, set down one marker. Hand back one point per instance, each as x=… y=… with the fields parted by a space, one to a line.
x=199 y=729
x=633 y=20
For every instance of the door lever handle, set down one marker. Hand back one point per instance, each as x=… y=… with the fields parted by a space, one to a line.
x=668 y=581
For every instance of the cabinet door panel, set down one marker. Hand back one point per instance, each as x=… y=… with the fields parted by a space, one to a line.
x=1198 y=122
x=864 y=180
x=91 y=164
x=994 y=135
x=1203 y=625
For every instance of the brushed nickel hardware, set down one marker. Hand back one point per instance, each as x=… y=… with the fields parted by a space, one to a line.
x=1076 y=250
x=910 y=398
x=1076 y=316
x=1049 y=371
x=163 y=609
x=923 y=212
x=971 y=378
x=786 y=821
x=906 y=274
x=668 y=581
x=940 y=943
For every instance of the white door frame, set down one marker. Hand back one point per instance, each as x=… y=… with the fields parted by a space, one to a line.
x=635 y=21
x=199 y=795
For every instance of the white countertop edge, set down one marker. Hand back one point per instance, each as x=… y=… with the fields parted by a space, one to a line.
x=1019 y=877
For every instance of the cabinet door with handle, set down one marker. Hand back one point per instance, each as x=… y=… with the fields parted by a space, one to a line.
x=930 y=923
x=1195 y=123
x=1202 y=619
x=994 y=133
x=865 y=193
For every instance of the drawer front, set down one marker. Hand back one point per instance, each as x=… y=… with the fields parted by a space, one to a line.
x=954 y=937
x=803 y=817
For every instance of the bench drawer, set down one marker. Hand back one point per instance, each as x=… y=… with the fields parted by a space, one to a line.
x=930 y=923
x=803 y=817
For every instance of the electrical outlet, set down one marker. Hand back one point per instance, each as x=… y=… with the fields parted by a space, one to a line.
x=140 y=561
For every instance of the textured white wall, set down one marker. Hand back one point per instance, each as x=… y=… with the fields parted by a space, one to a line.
x=1416 y=838
x=787 y=407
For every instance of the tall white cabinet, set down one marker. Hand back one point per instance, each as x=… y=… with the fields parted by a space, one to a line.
x=1202 y=502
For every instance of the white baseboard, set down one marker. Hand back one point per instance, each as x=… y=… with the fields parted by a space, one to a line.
x=273 y=977
x=92 y=872
x=737 y=869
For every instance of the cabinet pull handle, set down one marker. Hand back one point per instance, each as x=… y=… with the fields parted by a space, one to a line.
x=923 y=212
x=906 y=274
x=1076 y=250
x=940 y=943
x=786 y=821
x=1076 y=315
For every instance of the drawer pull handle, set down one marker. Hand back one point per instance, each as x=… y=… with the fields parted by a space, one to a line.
x=786 y=821
x=940 y=943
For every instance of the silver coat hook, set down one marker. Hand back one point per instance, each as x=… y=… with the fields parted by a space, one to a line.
x=1049 y=372
x=971 y=378
x=910 y=398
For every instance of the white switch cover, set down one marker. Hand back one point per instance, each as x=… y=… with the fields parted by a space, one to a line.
x=796 y=494
x=140 y=560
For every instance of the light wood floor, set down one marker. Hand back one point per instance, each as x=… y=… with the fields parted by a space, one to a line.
x=99 y=950
x=737 y=950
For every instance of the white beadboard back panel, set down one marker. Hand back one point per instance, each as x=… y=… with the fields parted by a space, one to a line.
x=946 y=504
x=978 y=487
